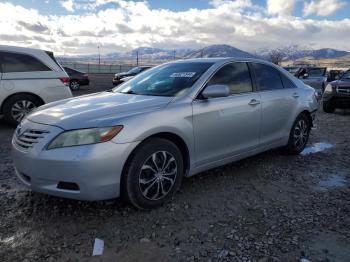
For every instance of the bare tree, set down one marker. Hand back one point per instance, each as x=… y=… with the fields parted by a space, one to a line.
x=276 y=57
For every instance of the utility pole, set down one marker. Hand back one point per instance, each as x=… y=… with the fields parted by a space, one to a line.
x=99 y=59
x=174 y=54
x=137 y=58
x=202 y=51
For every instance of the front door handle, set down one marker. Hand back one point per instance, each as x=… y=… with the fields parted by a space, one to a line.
x=254 y=102
x=295 y=95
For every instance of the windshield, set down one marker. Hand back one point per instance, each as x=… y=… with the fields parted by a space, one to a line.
x=346 y=75
x=317 y=71
x=134 y=70
x=166 y=80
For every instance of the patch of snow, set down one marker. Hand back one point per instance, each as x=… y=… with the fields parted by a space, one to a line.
x=333 y=181
x=316 y=148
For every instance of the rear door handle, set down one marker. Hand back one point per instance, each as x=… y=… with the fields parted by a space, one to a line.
x=295 y=95
x=254 y=102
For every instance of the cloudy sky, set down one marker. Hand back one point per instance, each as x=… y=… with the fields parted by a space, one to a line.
x=71 y=27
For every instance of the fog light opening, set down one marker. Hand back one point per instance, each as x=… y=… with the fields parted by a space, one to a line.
x=68 y=186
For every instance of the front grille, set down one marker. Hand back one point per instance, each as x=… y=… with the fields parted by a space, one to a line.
x=343 y=90
x=29 y=137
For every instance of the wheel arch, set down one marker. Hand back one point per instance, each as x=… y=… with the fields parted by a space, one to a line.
x=176 y=139
x=20 y=93
x=308 y=115
x=74 y=79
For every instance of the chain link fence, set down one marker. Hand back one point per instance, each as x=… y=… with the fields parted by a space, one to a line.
x=102 y=68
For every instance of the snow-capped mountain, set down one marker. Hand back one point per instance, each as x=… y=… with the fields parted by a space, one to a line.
x=294 y=52
x=220 y=51
x=144 y=53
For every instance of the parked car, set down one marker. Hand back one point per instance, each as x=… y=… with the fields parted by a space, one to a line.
x=170 y=122
x=77 y=78
x=337 y=94
x=314 y=76
x=118 y=78
x=29 y=78
x=127 y=78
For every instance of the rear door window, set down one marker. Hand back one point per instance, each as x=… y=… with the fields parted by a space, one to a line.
x=14 y=62
x=267 y=77
x=234 y=75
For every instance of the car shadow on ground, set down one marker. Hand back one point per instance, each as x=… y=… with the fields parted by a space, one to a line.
x=4 y=125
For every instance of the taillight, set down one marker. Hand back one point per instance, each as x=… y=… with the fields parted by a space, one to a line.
x=64 y=80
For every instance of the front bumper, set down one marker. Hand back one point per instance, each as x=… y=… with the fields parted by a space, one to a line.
x=93 y=170
x=337 y=100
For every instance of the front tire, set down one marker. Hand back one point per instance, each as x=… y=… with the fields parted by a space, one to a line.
x=299 y=135
x=18 y=106
x=328 y=108
x=153 y=174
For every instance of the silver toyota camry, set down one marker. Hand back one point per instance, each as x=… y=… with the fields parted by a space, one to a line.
x=175 y=120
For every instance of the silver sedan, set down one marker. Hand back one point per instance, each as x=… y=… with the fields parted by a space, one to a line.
x=173 y=121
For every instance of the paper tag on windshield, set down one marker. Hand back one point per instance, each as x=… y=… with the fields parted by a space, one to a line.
x=183 y=74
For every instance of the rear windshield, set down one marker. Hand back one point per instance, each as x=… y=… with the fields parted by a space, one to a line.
x=166 y=80
x=317 y=71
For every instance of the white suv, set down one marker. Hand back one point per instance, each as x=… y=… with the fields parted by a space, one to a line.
x=29 y=78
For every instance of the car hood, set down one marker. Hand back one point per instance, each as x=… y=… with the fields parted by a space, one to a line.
x=341 y=83
x=101 y=109
x=121 y=74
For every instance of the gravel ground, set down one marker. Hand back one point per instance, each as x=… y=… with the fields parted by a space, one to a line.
x=270 y=207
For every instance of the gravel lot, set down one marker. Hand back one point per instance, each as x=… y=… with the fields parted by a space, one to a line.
x=270 y=207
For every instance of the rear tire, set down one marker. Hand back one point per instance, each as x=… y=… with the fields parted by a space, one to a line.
x=328 y=108
x=18 y=106
x=299 y=135
x=153 y=174
x=74 y=85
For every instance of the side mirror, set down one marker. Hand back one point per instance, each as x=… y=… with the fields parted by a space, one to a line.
x=213 y=91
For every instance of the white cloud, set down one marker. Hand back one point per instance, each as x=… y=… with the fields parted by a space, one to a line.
x=322 y=7
x=132 y=24
x=232 y=3
x=281 y=7
x=68 y=5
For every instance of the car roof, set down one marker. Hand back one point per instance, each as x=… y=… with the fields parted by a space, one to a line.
x=222 y=60
x=20 y=48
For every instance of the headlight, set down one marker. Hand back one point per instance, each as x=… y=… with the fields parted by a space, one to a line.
x=328 y=88
x=85 y=136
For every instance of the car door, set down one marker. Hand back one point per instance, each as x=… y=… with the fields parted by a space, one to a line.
x=227 y=126
x=279 y=99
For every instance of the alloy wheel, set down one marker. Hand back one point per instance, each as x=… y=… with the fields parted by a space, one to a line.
x=301 y=132
x=22 y=108
x=74 y=85
x=158 y=175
